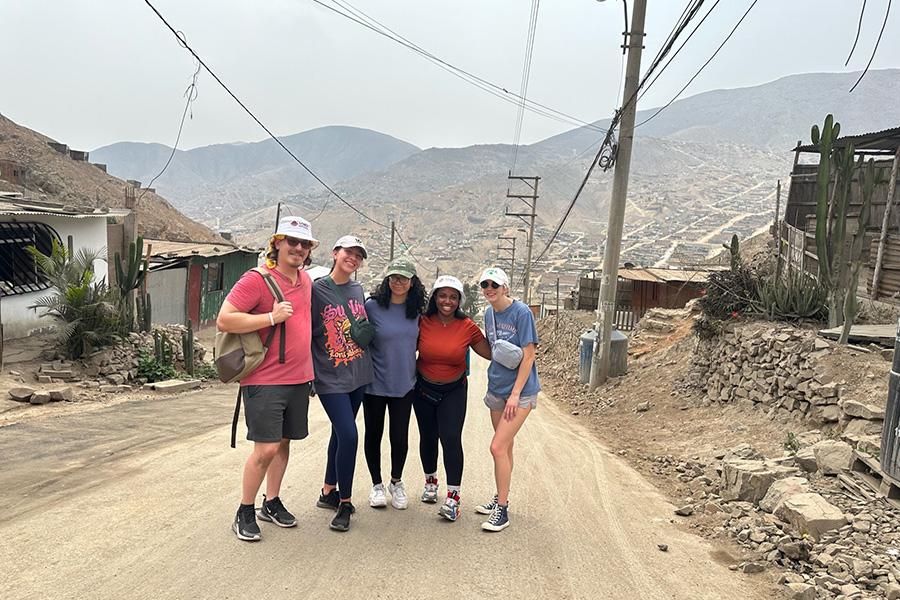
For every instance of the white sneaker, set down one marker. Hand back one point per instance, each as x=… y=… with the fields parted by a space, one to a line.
x=377 y=499
x=430 y=493
x=398 y=495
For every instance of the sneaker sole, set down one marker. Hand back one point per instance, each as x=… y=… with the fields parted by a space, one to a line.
x=321 y=504
x=489 y=527
x=243 y=537
x=264 y=517
x=429 y=500
x=400 y=506
x=448 y=517
x=334 y=527
x=483 y=511
x=377 y=504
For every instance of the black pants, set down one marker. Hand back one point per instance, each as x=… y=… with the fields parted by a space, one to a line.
x=442 y=422
x=398 y=432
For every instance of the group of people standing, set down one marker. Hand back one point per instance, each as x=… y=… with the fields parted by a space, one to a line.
x=400 y=351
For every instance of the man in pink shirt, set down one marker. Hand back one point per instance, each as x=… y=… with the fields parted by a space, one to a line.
x=276 y=393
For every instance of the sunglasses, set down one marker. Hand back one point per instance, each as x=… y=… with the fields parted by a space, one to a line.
x=292 y=242
x=493 y=284
x=399 y=279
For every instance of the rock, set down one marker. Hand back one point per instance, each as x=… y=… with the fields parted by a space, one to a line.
x=831 y=413
x=862 y=526
x=61 y=394
x=58 y=373
x=40 y=398
x=752 y=567
x=892 y=591
x=110 y=389
x=642 y=407
x=21 y=394
x=852 y=408
x=806 y=460
x=743 y=451
x=174 y=385
x=115 y=378
x=685 y=511
x=798 y=551
x=663 y=547
x=861 y=568
x=801 y=591
x=833 y=456
x=810 y=514
x=749 y=480
x=781 y=489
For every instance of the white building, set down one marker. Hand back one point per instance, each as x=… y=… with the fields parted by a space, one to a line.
x=23 y=223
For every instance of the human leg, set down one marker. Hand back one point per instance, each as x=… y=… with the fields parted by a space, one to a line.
x=426 y=420
x=399 y=410
x=341 y=410
x=501 y=450
x=373 y=417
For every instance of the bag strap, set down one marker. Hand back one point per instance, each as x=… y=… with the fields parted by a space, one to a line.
x=276 y=292
x=340 y=294
x=237 y=413
x=494 y=324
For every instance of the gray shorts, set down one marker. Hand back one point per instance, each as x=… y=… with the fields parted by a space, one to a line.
x=273 y=412
x=497 y=403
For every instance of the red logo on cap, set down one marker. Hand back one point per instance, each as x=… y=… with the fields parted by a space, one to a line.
x=295 y=224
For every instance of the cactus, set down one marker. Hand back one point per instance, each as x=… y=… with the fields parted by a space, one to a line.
x=868 y=180
x=734 y=250
x=130 y=275
x=187 y=347
x=162 y=350
x=145 y=312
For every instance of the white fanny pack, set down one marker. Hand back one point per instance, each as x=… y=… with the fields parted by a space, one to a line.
x=503 y=352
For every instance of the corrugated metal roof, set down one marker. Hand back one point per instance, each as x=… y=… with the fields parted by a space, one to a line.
x=167 y=249
x=23 y=207
x=637 y=275
x=885 y=141
x=656 y=275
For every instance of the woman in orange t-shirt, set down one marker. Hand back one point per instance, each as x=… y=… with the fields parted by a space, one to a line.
x=445 y=335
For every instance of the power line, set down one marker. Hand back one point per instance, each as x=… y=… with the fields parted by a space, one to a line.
x=875 y=49
x=200 y=61
x=862 y=12
x=191 y=94
x=260 y=123
x=700 y=70
x=361 y=18
x=526 y=74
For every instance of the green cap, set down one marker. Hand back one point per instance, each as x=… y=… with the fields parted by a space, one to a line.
x=401 y=266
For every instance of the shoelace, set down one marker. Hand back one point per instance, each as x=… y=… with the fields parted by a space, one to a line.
x=496 y=515
x=399 y=490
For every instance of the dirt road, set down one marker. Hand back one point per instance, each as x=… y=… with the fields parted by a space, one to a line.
x=135 y=501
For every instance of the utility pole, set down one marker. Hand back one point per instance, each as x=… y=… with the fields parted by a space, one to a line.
x=393 y=229
x=510 y=248
x=530 y=200
x=277 y=216
x=609 y=277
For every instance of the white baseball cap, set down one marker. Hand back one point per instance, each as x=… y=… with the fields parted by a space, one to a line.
x=351 y=241
x=449 y=281
x=296 y=227
x=495 y=274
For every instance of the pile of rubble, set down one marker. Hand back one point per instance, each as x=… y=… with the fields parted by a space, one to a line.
x=779 y=370
x=832 y=539
x=108 y=370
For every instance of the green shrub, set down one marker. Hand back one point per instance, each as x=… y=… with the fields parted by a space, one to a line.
x=791 y=444
x=730 y=294
x=793 y=297
x=153 y=370
x=205 y=370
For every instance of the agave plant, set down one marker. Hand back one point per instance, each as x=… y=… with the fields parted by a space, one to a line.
x=85 y=309
x=793 y=297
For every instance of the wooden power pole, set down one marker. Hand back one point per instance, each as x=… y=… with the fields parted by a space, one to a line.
x=609 y=277
x=530 y=201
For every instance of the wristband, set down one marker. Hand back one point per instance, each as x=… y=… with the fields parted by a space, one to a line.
x=271 y=319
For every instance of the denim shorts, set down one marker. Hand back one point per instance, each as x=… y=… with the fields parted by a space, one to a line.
x=497 y=403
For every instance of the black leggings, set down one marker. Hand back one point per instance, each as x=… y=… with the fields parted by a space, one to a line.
x=398 y=432
x=443 y=422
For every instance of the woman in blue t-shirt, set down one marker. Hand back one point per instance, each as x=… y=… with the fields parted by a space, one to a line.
x=394 y=308
x=512 y=389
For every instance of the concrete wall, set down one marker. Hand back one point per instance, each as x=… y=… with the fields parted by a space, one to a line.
x=167 y=295
x=90 y=232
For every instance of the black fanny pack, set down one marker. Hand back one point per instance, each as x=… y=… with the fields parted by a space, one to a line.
x=434 y=393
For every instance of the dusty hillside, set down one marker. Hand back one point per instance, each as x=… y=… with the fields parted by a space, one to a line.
x=60 y=179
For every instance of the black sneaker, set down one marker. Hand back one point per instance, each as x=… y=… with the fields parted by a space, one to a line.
x=273 y=511
x=245 y=524
x=341 y=521
x=330 y=500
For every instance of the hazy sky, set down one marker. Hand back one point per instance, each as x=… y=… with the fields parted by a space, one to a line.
x=93 y=72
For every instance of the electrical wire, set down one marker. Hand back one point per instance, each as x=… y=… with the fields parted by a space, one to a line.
x=191 y=94
x=862 y=12
x=887 y=12
x=526 y=74
x=184 y=43
x=361 y=18
x=700 y=70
